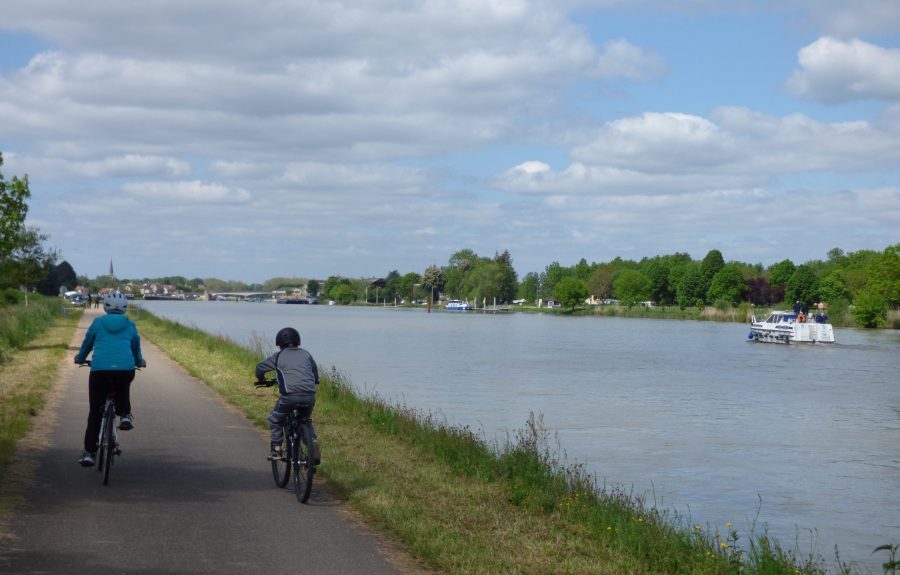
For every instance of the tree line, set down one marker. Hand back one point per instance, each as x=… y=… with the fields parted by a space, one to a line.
x=866 y=281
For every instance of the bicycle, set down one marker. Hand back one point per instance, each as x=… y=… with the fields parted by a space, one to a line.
x=297 y=452
x=108 y=438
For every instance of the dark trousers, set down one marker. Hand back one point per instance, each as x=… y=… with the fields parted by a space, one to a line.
x=100 y=384
x=283 y=406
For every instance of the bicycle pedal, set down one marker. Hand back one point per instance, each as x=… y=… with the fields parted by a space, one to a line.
x=118 y=451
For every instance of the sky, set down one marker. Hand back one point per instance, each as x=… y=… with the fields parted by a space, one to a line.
x=302 y=138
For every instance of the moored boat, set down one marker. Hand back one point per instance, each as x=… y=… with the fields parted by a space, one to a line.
x=787 y=327
x=458 y=305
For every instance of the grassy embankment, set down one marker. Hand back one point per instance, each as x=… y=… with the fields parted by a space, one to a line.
x=33 y=339
x=464 y=507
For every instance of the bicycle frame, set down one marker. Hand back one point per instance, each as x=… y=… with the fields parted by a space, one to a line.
x=297 y=459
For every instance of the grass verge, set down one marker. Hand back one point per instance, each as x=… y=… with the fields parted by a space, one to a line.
x=462 y=506
x=27 y=375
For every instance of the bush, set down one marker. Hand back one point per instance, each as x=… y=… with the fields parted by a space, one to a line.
x=870 y=308
x=12 y=296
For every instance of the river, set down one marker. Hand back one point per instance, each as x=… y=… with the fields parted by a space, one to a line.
x=803 y=440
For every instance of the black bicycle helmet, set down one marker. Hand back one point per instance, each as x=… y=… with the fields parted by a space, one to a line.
x=287 y=337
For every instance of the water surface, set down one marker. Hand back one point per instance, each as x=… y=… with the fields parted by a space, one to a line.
x=804 y=439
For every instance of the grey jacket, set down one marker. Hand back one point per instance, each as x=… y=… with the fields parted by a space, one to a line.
x=294 y=368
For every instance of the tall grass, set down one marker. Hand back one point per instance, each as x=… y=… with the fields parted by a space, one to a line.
x=41 y=338
x=465 y=506
x=20 y=324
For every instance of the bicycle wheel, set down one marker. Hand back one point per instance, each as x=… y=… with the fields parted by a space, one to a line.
x=108 y=450
x=303 y=464
x=281 y=468
x=101 y=443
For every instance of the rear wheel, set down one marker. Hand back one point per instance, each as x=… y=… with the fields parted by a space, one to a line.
x=281 y=468
x=108 y=450
x=303 y=464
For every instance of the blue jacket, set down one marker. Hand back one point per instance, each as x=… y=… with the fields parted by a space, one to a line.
x=115 y=342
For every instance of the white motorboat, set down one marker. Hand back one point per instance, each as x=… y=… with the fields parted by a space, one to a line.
x=458 y=305
x=787 y=327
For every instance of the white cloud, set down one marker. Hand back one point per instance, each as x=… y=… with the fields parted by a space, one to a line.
x=672 y=153
x=622 y=59
x=187 y=193
x=835 y=71
x=45 y=168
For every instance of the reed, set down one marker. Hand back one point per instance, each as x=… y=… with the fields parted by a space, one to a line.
x=462 y=505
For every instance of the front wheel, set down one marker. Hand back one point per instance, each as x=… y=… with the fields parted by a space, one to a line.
x=304 y=468
x=281 y=467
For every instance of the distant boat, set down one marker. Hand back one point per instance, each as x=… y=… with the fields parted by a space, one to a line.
x=458 y=305
x=786 y=327
x=296 y=300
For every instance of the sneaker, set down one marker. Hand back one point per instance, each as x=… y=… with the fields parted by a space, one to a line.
x=126 y=422
x=277 y=453
x=86 y=459
x=316 y=453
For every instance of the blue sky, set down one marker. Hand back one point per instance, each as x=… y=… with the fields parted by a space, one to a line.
x=296 y=138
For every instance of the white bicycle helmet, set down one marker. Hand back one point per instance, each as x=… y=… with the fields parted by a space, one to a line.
x=115 y=302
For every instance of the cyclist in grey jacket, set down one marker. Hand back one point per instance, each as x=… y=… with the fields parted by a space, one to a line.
x=297 y=376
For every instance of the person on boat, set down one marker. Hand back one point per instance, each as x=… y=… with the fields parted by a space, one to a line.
x=797 y=307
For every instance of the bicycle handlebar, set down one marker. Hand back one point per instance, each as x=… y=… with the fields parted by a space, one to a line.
x=87 y=362
x=265 y=382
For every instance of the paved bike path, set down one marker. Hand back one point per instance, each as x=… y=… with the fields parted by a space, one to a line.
x=191 y=493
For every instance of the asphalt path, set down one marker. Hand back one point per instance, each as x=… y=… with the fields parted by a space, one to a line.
x=191 y=493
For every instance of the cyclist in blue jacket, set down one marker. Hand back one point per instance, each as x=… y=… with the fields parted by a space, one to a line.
x=116 y=344
x=297 y=376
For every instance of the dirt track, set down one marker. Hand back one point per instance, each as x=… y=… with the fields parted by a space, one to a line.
x=191 y=493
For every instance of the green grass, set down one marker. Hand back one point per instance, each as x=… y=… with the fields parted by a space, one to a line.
x=40 y=339
x=21 y=324
x=463 y=506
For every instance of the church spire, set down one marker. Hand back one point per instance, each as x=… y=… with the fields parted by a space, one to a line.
x=111 y=273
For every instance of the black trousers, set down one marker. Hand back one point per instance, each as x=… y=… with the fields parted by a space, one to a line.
x=101 y=384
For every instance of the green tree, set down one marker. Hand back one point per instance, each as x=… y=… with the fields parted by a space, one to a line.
x=884 y=275
x=508 y=279
x=343 y=293
x=331 y=284
x=689 y=291
x=631 y=286
x=406 y=286
x=582 y=270
x=29 y=262
x=832 y=289
x=391 y=288
x=803 y=286
x=709 y=267
x=528 y=287
x=62 y=275
x=570 y=292
x=870 y=308
x=600 y=282
x=780 y=273
x=658 y=273
x=728 y=285
x=433 y=280
x=312 y=288
x=14 y=196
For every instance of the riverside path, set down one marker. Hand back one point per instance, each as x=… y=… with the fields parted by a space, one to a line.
x=191 y=493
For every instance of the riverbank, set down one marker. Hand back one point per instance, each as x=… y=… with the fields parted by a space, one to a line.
x=34 y=340
x=465 y=507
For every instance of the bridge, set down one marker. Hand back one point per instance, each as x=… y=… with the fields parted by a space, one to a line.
x=239 y=295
